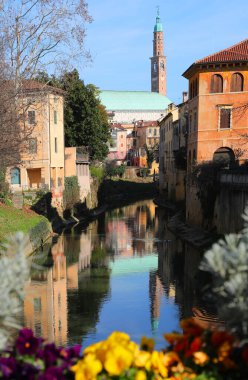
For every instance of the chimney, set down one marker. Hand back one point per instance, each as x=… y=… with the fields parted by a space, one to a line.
x=185 y=96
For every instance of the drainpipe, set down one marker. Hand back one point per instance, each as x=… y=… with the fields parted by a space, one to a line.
x=49 y=138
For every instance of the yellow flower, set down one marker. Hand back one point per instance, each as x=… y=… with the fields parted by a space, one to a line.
x=133 y=347
x=157 y=363
x=170 y=358
x=87 y=368
x=119 y=337
x=117 y=360
x=140 y=375
x=92 y=348
x=141 y=359
x=147 y=344
x=200 y=358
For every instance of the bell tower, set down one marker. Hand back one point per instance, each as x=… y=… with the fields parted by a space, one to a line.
x=158 y=60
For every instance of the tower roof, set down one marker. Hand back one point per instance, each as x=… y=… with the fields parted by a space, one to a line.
x=158 y=26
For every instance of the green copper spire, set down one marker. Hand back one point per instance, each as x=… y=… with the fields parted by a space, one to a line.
x=158 y=27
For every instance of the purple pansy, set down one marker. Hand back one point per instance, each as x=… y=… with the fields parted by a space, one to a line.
x=27 y=343
x=8 y=367
x=52 y=373
x=74 y=351
x=50 y=354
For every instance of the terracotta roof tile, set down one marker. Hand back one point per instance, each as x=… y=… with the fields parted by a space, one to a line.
x=33 y=85
x=238 y=52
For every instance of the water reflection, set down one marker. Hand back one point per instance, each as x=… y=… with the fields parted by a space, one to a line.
x=126 y=271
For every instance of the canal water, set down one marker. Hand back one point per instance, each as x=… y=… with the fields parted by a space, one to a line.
x=124 y=272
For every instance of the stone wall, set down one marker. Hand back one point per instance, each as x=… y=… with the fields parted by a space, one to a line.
x=229 y=205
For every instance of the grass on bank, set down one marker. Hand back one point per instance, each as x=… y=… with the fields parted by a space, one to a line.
x=13 y=220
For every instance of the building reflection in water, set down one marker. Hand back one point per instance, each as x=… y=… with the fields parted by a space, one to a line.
x=45 y=305
x=65 y=298
x=178 y=265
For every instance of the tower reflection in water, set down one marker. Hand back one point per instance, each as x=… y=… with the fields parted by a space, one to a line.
x=73 y=295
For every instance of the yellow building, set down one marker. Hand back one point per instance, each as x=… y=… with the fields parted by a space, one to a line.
x=172 y=152
x=42 y=154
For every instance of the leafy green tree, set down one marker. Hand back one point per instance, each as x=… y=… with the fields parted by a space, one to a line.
x=150 y=154
x=86 y=121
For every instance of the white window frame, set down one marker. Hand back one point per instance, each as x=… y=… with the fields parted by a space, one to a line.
x=221 y=107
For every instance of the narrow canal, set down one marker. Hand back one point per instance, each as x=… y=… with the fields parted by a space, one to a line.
x=125 y=271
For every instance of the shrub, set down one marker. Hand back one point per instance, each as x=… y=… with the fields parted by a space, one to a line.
x=71 y=193
x=14 y=272
x=97 y=172
x=39 y=232
x=4 y=186
x=115 y=170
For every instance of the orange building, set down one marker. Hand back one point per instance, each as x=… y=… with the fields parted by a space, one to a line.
x=218 y=93
x=217 y=114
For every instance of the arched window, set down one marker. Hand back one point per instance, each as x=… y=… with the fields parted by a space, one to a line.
x=224 y=156
x=15 y=176
x=237 y=82
x=216 y=84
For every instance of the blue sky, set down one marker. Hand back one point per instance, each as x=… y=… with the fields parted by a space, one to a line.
x=120 y=39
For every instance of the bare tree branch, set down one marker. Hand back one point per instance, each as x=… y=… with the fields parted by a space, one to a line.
x=34 y=35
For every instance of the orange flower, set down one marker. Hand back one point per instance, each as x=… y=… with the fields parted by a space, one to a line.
x=190 y=327
x=194 y=346
x=200 y=358
x=173 y=338
x=224 y=351
x=170 y=358
x=218 y=337
x=229 y=363
x=182 y=345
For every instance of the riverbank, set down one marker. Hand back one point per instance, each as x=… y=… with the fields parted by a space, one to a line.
x=113 y=193
x=12 y=220
x=193 y=235
x=121 y=192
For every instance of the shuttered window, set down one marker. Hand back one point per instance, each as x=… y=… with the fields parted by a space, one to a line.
x=216 y=84
x=32 y=145
x=237 y=82
x=225 y=118
x=31 y=117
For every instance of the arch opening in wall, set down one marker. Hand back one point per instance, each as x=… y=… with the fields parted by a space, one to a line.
x=237 y=83
x=216 y=85
x=224 y=157
x=15 y=175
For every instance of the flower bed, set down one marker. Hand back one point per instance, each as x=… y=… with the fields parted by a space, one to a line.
x=195 y=354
